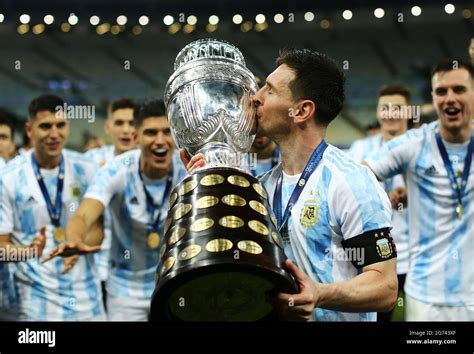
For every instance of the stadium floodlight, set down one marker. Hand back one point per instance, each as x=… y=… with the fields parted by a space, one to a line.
x=48 y=19
x=379 y=12
x=260 y=18
x=416 y=11
x=213 y=20
x=192 y=20
x=94 y=20
x=73 y=19
x=122 y=20
x=278 y=18
x=168 y=20
x=143 y=20
x=309 y=16
x=347 y=15
x=25 y=19
x=449 y=8
x=2 y=18
x=237 y=19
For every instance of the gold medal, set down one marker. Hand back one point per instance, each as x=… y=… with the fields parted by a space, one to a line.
x=207 y=201
x=189 y=252
x=201 y=224
x=59 y=235
x=238 y=181
x=187 y=187
x=258 y=207
x=250 y=247
x=153 y=240
x=219 y=245
x=258 y=227
x=212 y=180
x=459 y=211
x=233 y=200
x=231 y=221
x=259 y=189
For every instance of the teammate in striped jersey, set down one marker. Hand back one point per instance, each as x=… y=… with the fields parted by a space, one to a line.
x=393 y=98
x=7 y=132
x=436 y=159
x=135 y=187
x=267 y=153
x=337 y=231
x=119 y=126
x=42 y=189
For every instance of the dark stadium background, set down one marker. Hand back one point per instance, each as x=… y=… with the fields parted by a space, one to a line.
x=88 y=68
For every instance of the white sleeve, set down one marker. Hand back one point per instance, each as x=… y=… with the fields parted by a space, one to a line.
x=356 y=151
x=6 y=209
x=359 y=204
x=395 y=156
x=106 y=183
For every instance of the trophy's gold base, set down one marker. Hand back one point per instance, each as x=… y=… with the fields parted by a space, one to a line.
x=222 y=252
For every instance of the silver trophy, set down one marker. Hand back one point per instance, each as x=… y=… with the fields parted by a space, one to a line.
x=222 y=250
x=208 y=100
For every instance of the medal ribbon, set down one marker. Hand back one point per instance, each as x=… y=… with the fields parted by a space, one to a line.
x=150 y=205
x=458 y=188
x=53 y=211
x=313 y=162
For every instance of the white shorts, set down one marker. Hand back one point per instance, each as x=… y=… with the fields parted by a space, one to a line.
x=422 y=311
x=127 y=309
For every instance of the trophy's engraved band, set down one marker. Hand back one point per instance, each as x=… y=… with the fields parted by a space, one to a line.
x=231 y=221
x=201 y=224
x=187 y=187
x=176 y=235
x=233 y=200
x=167 y=265
x=207 y=201
x=250 y=247
x=212 y=180
x=189 y=252
x=219 y=245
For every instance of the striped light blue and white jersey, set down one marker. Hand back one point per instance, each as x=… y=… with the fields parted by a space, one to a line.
x=119 y=188
x=44 y=293
x=342 y=199
x=8 y=299
x=441 y=245
x=360 y=150
x=2 y=162
x=100 y=156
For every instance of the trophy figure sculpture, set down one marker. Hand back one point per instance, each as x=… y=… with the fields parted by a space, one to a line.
x=222 y=250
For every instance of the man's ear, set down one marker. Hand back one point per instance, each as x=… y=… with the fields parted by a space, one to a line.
x=107 y=126
x=28 y=128
x=304 y=111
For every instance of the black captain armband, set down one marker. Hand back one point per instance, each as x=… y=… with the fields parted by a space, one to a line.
x=370 y=247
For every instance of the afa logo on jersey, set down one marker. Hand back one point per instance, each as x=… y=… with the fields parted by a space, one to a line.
x=310 y=212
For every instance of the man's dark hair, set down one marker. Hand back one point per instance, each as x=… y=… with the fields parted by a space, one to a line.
x=395 y=89
x=155 y=108
x=450 y=64
x=8 y=120
x=48 y=103
x=317 y=78
x=121 y=103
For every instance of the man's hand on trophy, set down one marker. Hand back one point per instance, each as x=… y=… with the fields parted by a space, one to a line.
x=298 y=307
x=191 y=163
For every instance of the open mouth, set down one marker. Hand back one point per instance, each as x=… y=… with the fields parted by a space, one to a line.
x=125 y=141
x=160 y=153
x=452 y=112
